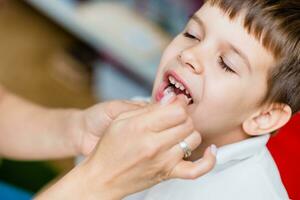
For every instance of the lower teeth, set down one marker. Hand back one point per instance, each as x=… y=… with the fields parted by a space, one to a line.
x=170 y=89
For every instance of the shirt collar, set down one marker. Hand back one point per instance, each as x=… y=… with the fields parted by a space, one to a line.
x=241 y=150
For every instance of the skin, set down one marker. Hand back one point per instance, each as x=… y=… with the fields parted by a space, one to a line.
x=226 y=106
x=225 y=110
x=129 y=137
x=44 y=133
x=150 y=144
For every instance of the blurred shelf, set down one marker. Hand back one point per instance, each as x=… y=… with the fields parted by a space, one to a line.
x=111 y=28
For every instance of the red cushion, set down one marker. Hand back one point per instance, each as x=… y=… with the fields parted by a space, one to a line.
x=285 y=149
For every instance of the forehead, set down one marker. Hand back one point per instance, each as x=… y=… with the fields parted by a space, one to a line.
x=223 y=30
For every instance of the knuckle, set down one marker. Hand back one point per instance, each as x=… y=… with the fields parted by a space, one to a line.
x=116 y=127
x=113 y=103
x=149 y=153
x=182 y=112
x=163 y=176
x=208 y=165
x=119 y=103
x=150 y=149
x=110 y=107
x=189 y=123
x=198 y=139
x=187 y=128
x=130 y=126
x=193 y=174
x=122 y=125
x=166 y=172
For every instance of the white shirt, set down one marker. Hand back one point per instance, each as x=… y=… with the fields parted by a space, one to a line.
x=244 y=171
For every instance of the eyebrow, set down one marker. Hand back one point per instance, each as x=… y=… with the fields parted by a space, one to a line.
x=242 y=55
x=198 y=20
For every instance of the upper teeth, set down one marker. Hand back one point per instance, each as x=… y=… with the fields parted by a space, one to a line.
x=177 y=84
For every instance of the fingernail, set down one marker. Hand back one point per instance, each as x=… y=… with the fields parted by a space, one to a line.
x=214 y=149
x=167 y=98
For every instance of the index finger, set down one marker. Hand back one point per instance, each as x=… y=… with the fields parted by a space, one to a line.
x=163 y=117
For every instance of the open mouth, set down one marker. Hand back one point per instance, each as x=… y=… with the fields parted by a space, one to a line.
x=173 y=84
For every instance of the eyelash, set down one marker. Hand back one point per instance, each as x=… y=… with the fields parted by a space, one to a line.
x=225 y=67
x=188 y=35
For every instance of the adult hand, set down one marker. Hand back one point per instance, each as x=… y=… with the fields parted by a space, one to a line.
x=138 y=150
x=90 y=124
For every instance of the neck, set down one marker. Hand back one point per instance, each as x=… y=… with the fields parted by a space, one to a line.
x=219 y=141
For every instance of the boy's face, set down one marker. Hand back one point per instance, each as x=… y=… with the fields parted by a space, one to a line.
x=223 y=68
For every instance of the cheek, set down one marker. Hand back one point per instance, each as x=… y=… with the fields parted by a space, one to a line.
x=225 y=105
x=220 y=108
x=171 y=52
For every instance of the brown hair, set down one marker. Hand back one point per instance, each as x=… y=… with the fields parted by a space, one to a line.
x=276 y=23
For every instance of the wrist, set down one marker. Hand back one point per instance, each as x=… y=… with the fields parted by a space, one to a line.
x=71 y=186
x=97 y=185
x=74 y=130
x=82 y=183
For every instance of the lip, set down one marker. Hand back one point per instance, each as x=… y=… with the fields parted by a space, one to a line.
x=165 y=83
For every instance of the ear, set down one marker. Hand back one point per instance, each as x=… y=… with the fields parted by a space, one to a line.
x=267 y=120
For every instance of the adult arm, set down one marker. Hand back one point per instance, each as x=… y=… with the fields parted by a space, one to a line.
x=31 y=132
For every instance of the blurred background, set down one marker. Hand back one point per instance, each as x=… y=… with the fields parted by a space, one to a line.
x=74 y=53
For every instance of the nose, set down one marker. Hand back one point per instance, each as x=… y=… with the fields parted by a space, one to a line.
x=189 y=59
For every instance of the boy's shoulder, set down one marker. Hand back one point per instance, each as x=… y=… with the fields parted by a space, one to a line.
x=255 y=177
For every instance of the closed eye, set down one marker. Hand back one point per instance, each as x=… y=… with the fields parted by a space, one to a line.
x=188 y=35
x=224 y=66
